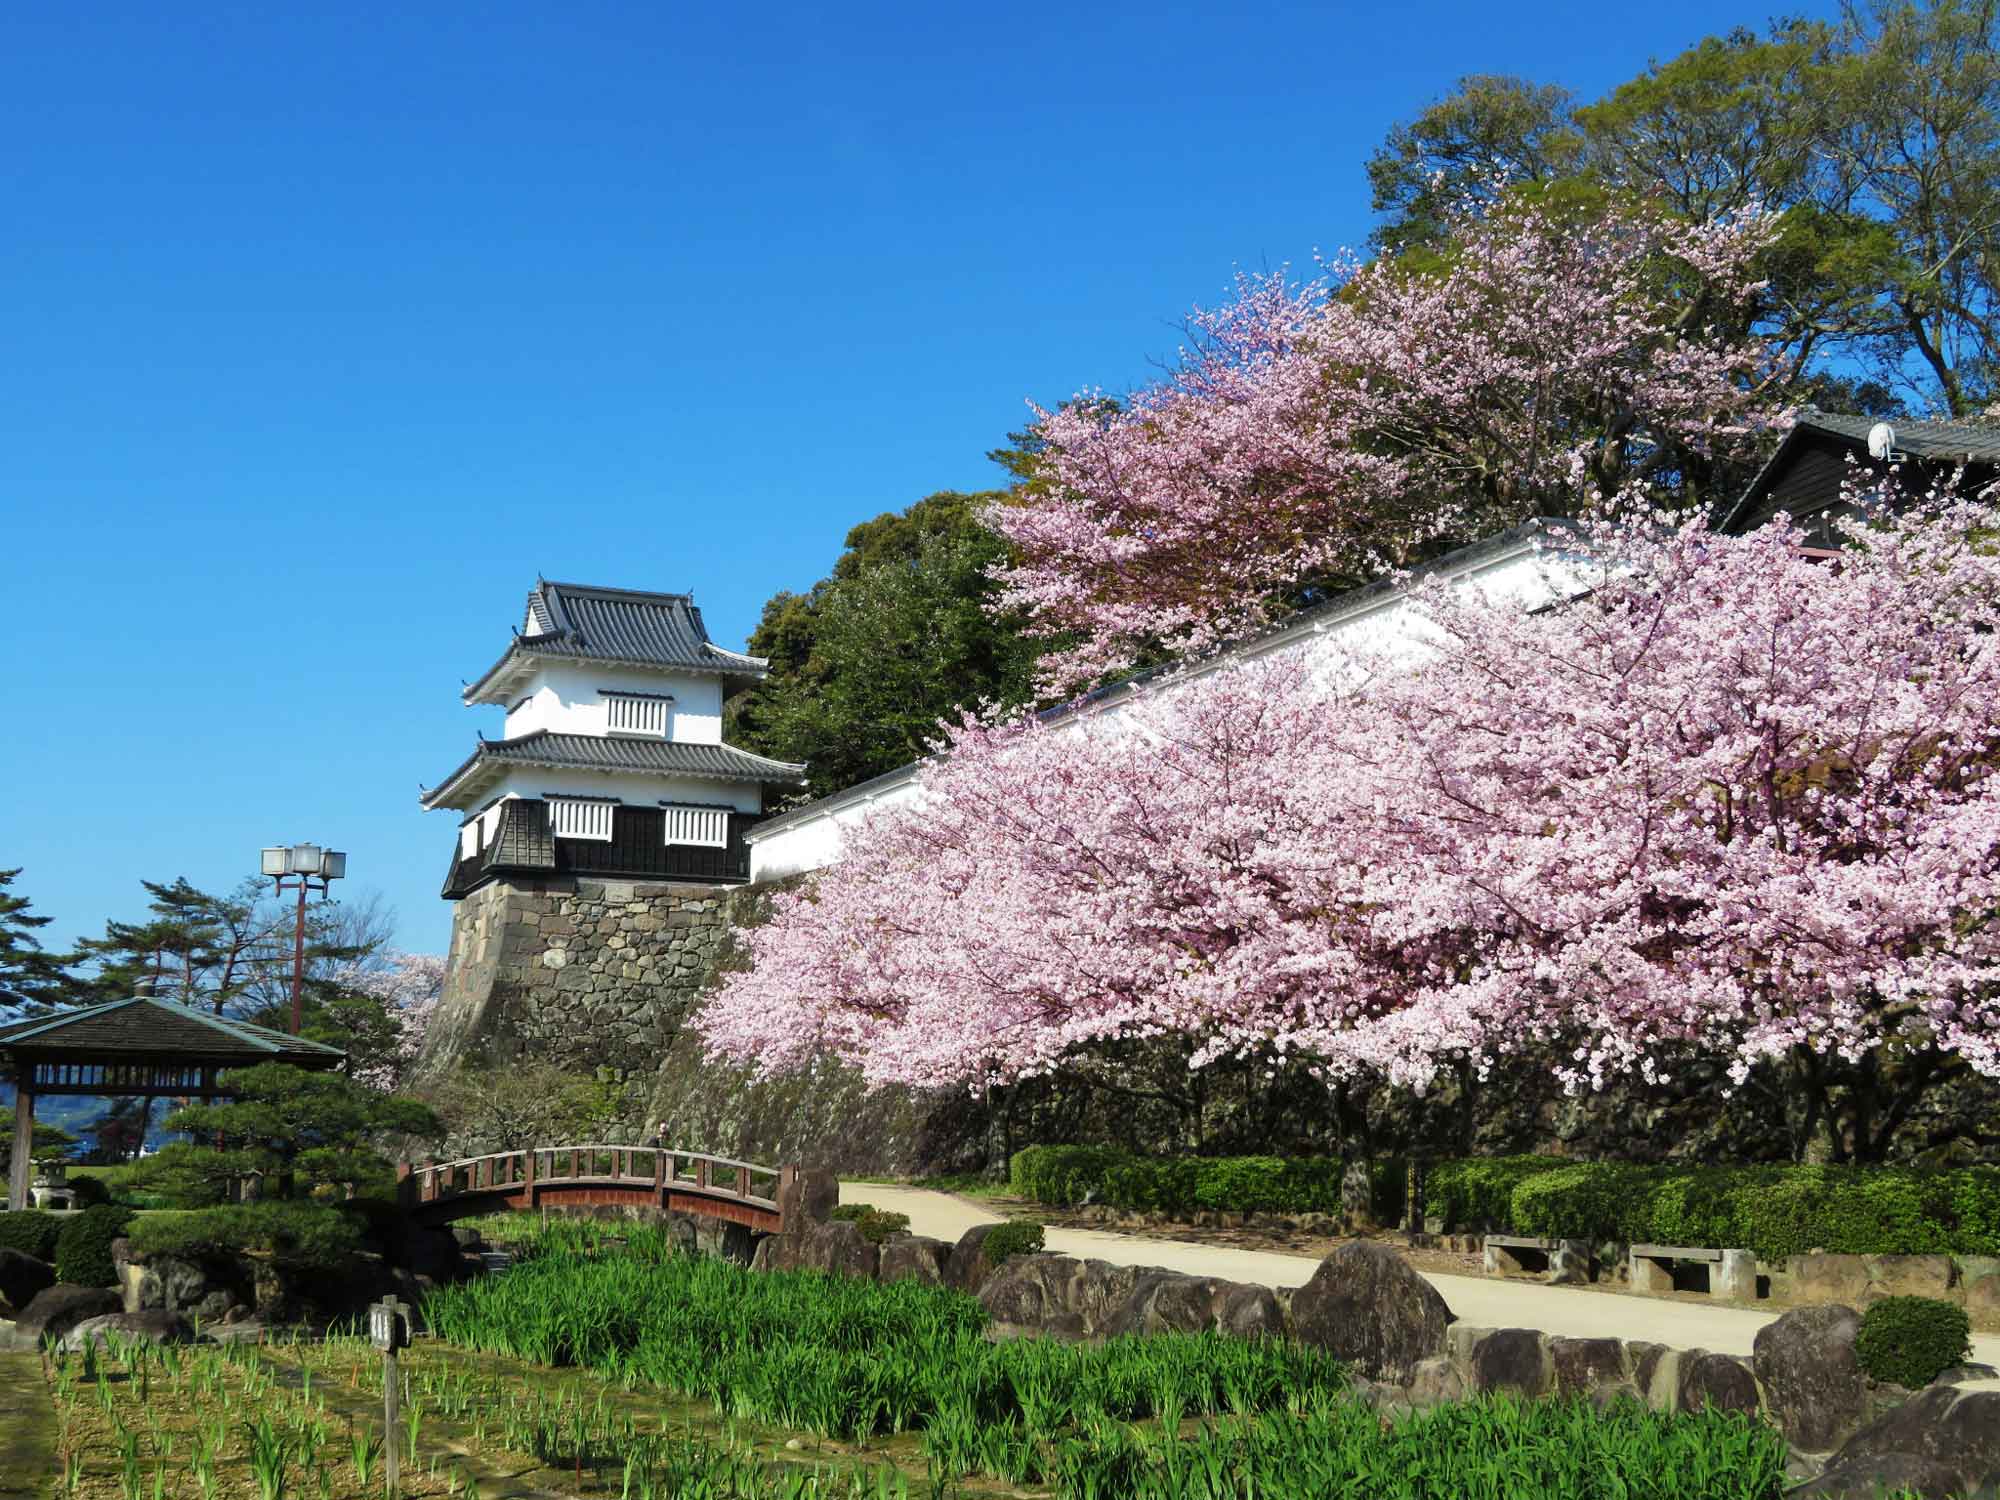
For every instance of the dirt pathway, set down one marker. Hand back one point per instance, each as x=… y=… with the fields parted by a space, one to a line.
x=1574 y=1312
x=27 y=1429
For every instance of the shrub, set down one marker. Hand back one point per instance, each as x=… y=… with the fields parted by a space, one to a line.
x=89 y=1191
x=1910 y=1341
x=1064 y=1176
x=301 y=1234
x=876 y=1224
x=1476 y=1192
x=31 y=1232
x=1015 y=1237
x=83 y=1249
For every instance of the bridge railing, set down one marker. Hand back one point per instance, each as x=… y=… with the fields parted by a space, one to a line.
x=595 y=1165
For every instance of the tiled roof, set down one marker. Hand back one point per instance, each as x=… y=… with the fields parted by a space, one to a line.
x=591 y=752
x=581 y=622
x=1971 y=440
x=148 y=1025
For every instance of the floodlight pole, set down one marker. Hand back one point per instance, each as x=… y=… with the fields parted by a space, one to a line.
x=299 y=864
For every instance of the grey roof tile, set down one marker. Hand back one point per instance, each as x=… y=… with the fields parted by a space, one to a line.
x=590 y=752
x=150 y=1025
x=588 y=623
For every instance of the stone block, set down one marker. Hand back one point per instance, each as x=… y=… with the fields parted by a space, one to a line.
x=1248 y=1312
x=1813 y=1383
x=1723 y=1381
x=1735 y=1276
x=157 y=1325
x=1910 y=1275
x=1656 y=1371
x=914 y=1257
x=1585 y=1365
x=1098 y=1290
x=1648 y=1274
x=1956 y=1431
x=1510 y=1359
x=1821 y=1277
x=52 y=1312
x=1982 y=1301
x=839 y=1248
x=1435 y=1381
x=1028 y=1291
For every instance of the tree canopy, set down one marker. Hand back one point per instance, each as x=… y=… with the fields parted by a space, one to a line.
x=902 y=633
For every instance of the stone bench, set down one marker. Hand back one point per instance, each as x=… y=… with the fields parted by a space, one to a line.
x=1732 y=1274
x=1564 y=1261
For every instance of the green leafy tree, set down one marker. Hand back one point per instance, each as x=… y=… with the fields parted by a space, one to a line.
x=531 y=1104
x=298 y=1130
x=896 y=638
x=48 y=1139
x=1877 y=137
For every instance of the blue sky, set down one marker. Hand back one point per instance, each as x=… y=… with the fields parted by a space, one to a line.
x=327 y=329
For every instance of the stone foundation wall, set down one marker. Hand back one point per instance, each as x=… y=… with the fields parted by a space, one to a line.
x=581 y=973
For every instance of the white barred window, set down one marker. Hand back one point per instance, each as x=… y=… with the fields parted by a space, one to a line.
x=635 y=713
x=698 y=825
x=581 y=818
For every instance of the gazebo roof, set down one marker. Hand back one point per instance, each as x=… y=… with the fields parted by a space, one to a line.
x=148 y=1027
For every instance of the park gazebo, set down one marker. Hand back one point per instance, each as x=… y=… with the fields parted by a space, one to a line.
x=141 y=1047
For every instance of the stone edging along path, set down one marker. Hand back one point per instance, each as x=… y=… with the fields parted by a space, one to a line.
x=1417 y=1341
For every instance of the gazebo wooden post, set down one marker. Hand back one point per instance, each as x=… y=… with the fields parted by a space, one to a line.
x=21 y=1169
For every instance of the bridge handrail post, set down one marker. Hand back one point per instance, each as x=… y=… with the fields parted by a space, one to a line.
x=430 y=1179
x=528 y=1170
x=659 y=1170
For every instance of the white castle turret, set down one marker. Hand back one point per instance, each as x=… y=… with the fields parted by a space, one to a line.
x=612 y=762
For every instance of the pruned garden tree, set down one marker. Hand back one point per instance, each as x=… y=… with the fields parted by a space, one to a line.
x=290 y=1129
x=1728 y=801
x=32 y=979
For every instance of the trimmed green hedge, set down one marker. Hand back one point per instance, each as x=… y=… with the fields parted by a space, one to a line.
x=304 y=1234
x=1774 y=1210
x=1065 y=1176
x=83 y=1249
x=31 y=1232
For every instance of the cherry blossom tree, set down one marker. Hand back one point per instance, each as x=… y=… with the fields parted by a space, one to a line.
x=407 y=986
x=1318 y=434
x=1726 y=800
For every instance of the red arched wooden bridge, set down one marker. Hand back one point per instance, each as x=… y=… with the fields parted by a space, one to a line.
x=690 y=1182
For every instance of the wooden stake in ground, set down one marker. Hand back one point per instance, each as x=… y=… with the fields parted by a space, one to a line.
x=389 y=1330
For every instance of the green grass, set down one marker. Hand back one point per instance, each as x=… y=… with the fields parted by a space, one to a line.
x=1169 y=1417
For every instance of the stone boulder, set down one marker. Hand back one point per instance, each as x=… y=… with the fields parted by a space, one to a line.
x=808 y=1197
x=1910 y=1275
x=1955 y=1433
x=914 y=1257
x=1167 y=1302
x=1100 y=1290
x=22 y=1278
x=1890 y=1474
x=1365 y=1305
x=1246 y=1311
x=158 y=1326
x=1585 y=1365
x=1722 y=1381
x=723 y=1239
x=1829 y=1278
x=1815 y=1387
x=1031 y=1292
x=1512 y=1360
x=55 y=1310
x=838 y=1247
x=968 y=1267
x=778 y=1252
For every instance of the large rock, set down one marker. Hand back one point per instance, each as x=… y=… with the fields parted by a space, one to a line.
x=968 y=1267
x=1956 y=1431
x=1510 y=1359
x=1722 y=1381
x=1584 y=1365
x=1246 y=1311
x=722 y=1239
x=810 y=1195
x=1366 y=1305
x=201 y=1288
x=22 y=1278
x=778 y=1252
x=1816 y=1390
x=840 y=1248
x=1167 y=1302
x=1100 y=1290
x=1890 y=1474
x=914 y=1257
x=1031 y=1292
x=55 y=1310
x=158 y=1326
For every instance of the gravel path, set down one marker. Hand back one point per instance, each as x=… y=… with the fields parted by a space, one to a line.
x=1576 y=1312
x=27 y=1429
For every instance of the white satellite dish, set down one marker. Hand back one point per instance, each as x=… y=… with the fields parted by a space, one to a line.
x=1881 y=440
